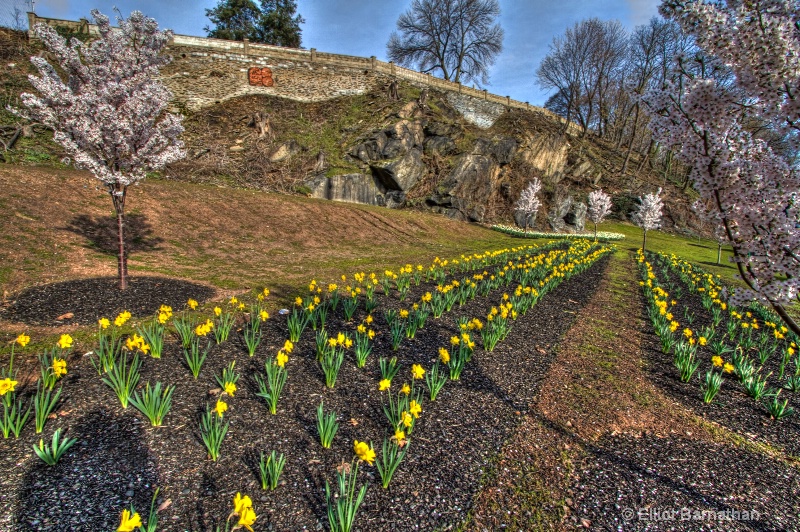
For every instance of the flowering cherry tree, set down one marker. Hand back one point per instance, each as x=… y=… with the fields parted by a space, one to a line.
x=598 y=208
x=528 y=204
x=648 y=214
x=746 y=189
x=108 y=111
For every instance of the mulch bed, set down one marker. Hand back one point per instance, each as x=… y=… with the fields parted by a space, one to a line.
x=84 y=301
x=120 y=459
x=732 y=408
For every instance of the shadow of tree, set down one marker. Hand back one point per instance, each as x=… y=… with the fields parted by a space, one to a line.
x=101 y=233
x=107 y=469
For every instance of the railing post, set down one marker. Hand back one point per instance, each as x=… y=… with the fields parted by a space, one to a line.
x=372 y=60
x=313 y=54
x=246 y=46
x=485 y=94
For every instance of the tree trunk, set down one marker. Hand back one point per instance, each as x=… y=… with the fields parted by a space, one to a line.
x=633 y=138
x=118 y=193
x=644 y=239
x=595 y=232
x=719 y=252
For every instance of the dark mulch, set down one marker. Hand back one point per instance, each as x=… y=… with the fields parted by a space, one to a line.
x=732 y=407
x=456 y=437
x=91 y=299
x=646 y=482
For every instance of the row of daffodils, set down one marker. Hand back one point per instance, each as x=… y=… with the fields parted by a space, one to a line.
x=746 y=347
x=523 y=275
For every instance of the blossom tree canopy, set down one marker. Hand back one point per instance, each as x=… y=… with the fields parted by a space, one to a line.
x=599 y=205
x=648 y=213
x=109 y=111
x=528 y=203
x=746 y=189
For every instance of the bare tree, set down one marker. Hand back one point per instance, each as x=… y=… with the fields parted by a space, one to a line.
x=457 y=38
x=582 y=66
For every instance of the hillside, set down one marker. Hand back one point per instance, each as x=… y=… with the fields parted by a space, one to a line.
x=405 y=153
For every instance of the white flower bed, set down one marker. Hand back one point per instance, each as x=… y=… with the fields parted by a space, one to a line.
x=601 y=235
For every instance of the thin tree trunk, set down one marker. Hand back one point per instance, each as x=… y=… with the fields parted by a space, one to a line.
x=118 y=196
x=633 y=138
x=595 y=231
x=644 y=239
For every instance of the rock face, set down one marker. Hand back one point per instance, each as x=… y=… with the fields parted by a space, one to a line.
x=524 y=220
x=352 y=188
x=566 y=215
x=400 y=173
x=464 y=192
x=284 y=151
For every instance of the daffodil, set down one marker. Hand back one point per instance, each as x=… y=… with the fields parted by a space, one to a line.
x=221 y=407
x=364 y=451
x=247 y=518
x=281 y=359
x=23 y=339
x=7 y=385
x=129 y=522
x=399 y=435
x=415 y=408
x=241 y=503
x=264 y=315
x=406 y=389
x=406 y=419
x=444 y=355
x=65 y=342
x=384 y=385
x=728 y=367
x=716 y=360
x=217 y=311
x=230 y=388
x=417 y=372
x=192 y=304
x=288 y=346
x=59 y=367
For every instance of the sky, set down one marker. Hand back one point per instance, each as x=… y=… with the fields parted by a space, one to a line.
x=362 y=27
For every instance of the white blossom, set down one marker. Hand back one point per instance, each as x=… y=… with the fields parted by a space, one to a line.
x=599 y=206
x=648 y=212
x=528 y=202
x=109 y=112
x=746 y=189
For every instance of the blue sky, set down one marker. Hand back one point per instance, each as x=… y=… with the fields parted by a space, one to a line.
x=362 y=27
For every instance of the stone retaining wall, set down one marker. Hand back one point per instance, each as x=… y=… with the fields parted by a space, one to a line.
x=205 y=71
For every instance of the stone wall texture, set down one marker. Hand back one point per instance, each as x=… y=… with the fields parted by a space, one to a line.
x=206 y=71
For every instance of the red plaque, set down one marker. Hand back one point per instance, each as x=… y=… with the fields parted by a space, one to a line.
x=260 y=76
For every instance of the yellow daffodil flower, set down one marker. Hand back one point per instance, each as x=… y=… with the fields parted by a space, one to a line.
x=7 y=385
x=281 y=359
x=444 y=355
x=129 y=522
x=192 y=304
x=264 y=315
x=406 y=389
x=716 y=360
x=241 y=503
x=59 y=367
x=406 y=419
x=221 y=407
x=399 y=435
x=728 y=367
x=230 y=388
x=217 y=311
x=383 y=385
x=288 y=346
x=417 y=372
x=65 y=342
x=247 y=518
x=364 y=451
x=415 y=408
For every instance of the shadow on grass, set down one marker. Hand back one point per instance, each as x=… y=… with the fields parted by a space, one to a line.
x=107 y=470
x=101 y=233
